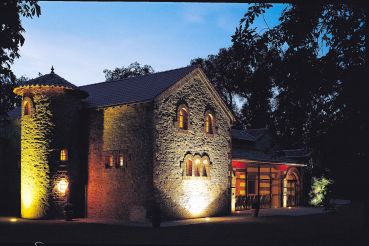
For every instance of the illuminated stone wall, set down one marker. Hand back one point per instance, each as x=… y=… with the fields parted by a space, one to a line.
x=181 y=197
x=50 y=127
x=120 y=192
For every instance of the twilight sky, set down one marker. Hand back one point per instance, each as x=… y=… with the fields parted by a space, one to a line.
x=82 y=39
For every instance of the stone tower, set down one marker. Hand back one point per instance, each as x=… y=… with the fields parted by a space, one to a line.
x=50 y=135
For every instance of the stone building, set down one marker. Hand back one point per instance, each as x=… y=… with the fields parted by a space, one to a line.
x=116 y=149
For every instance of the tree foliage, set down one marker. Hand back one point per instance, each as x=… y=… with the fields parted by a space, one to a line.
x=9 y=100
x=304 y=78
x=11 y=30
x=225 y=73
x=319 y=190
x=133 y=70
x=317 y=79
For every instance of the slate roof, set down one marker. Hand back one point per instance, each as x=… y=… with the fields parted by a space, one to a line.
x=242 y=135
x=51 y=79
x=124 y=91
x=293 y=153
x=136 y=89
x=255 y=155
x=257 y=132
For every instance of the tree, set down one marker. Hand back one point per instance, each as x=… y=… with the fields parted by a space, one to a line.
x=11 y=30
x=319 y=100
x=9 y=100
x=225 y=73
x=133 y=70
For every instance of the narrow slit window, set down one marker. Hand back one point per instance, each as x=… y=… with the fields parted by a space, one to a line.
x=204 y=165
x=209 y=124
x=64 y=155
x=197 y=168
x=121 y=159
x=183 y=119
x=26 y=108
x=189 y=167
x=109 y=160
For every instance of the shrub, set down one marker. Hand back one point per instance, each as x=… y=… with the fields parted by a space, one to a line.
x=319 y=190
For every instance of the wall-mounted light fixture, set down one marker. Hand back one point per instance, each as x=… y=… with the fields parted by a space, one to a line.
x=62 y=186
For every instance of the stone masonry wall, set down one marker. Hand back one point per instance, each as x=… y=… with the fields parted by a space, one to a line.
x=120 y=192
x=186 y=197
x=48 y=128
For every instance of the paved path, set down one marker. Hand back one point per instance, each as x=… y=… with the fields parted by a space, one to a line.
x=288 y=227
x=242 y=216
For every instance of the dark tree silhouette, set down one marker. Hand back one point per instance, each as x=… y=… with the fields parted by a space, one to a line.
x=9 y=100
x=133 y=70
x=318 y=83
x=11 y=30
x=225 y=73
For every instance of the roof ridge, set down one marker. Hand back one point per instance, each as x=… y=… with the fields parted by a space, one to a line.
x=117 y=80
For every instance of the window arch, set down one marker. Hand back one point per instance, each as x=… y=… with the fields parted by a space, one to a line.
x=27 y=106
x=196 y=166
x=205 y=172
x=183 y=117
x=209 y=123
x=189 y=167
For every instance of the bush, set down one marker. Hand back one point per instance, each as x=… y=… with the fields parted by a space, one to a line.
x=320 y=189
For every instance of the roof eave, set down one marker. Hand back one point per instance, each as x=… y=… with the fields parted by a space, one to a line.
x=270 y=162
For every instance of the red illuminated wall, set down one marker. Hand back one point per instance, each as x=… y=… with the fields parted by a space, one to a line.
x=120 y=193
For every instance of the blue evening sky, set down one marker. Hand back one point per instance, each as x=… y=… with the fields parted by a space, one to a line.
x=82 y=39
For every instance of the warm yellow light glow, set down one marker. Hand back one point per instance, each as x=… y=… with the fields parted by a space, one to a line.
x=111 y=160
x=27 y=198
x=121 y=160
x=205 y=162
x=64 y=155
x=62 y=185
x=197 y=205
x=26 y=108
x=32 y=194
x=198 y=197
x=183 y=119
x=197 y=161
x=209 y=124
x=207 y=219
x=13 y=220
x=289 y=207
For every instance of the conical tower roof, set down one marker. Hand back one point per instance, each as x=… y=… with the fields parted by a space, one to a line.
x=47 y=80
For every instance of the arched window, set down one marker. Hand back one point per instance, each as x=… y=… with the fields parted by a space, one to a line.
x=26 y=108
x=205 y=165
x=183 y=119
x=209 y=123
x=196 y=166
x=189 y=167
x=64 y=155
